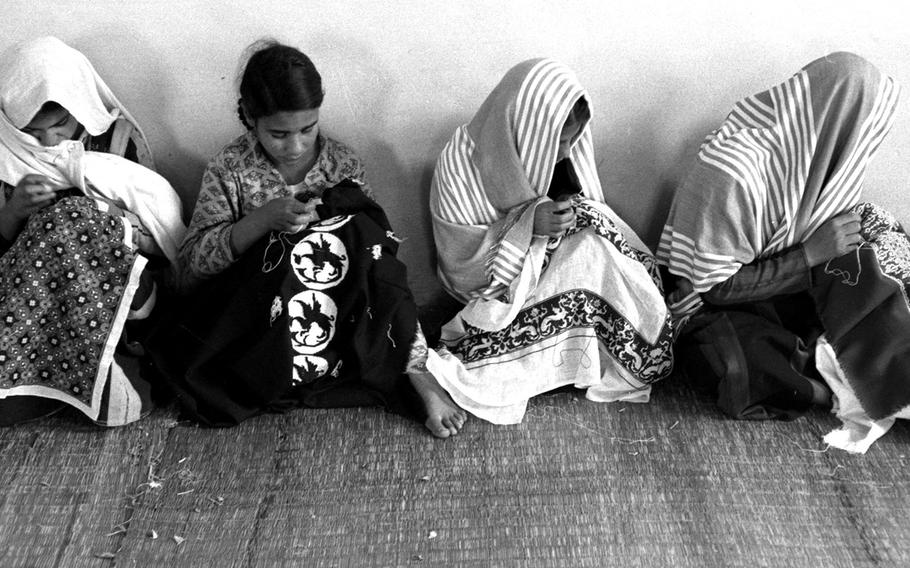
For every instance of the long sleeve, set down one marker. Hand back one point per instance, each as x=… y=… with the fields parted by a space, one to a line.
x=206 y=250
x=784 y=273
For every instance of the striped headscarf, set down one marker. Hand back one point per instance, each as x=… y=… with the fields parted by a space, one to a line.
x=783 y=163
x=495 y=168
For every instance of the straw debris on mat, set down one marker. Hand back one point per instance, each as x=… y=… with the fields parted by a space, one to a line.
x=669 y=484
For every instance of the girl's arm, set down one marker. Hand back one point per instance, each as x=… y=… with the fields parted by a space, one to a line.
x=785 y=273
x=30 y=195
x=206 y=249
x=282 y=214
x=220 y=231
x=789 y=271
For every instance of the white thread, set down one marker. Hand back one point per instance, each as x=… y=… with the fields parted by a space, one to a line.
x=267 y=266
x=276 y=310
x=389 y=335
x=845 y=274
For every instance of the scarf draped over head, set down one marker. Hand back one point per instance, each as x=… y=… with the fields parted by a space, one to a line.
x=784 y=162
x=496 y=168
x=46 y=69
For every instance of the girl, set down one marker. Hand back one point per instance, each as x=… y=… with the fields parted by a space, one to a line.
x=797 y=290
x=85 y=235
x=310 y=306
x=559 y=290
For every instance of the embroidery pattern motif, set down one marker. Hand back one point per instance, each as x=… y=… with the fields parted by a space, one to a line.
x=60 y=288
x=574 y=309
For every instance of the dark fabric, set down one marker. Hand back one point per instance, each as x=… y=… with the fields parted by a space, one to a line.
x=564 y=182
x=19 y=409
x=235 y=354
x=784 y=273
x=757 y=358
x=867 y=322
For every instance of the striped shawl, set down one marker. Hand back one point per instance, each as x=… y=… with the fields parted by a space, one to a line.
x=783 y=163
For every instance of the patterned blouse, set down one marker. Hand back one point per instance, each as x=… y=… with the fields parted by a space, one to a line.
x=241 y=179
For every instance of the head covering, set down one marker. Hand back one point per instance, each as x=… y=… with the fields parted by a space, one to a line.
x=42 y=70
x=516 y=133
x=46 y=69
x=501 y=160
x=783 y=163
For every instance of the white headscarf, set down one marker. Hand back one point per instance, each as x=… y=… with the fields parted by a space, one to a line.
x=46 y=69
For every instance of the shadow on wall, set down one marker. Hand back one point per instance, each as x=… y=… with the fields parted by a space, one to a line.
x=369 y=106
x=436 y=299
x=638 y=183
x=403 y=189
x=176 y=163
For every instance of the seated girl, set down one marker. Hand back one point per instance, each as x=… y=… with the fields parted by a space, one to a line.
x=85 y=236
x=797 y=290
x=300 y=300
x=558 y=290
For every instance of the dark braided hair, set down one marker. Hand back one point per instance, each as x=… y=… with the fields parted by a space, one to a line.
x=277 y=78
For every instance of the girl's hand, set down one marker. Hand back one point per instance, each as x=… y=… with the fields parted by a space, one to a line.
x=838 y=236
x=32 y=193
x=288 y=214
x=553 y=218
x=683 y=288
x=285 y=214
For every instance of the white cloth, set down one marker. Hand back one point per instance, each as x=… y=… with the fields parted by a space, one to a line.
x=623 y=280
x=859 y=431
x=496 y=388
x=46 y=69
x=590 y=315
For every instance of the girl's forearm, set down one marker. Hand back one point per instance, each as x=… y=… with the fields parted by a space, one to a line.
x=10 y=224
x=245 y=232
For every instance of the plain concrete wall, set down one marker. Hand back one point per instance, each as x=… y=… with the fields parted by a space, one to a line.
x=401 y=76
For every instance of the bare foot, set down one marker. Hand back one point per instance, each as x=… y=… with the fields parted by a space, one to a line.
x=444 y=417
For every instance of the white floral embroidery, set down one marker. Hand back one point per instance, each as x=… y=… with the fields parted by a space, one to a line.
x=277 y=308
x=376 y=251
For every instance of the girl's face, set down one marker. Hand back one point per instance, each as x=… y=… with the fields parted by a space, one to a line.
x=289 y=137
x=569 y=131
x=52 y=127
